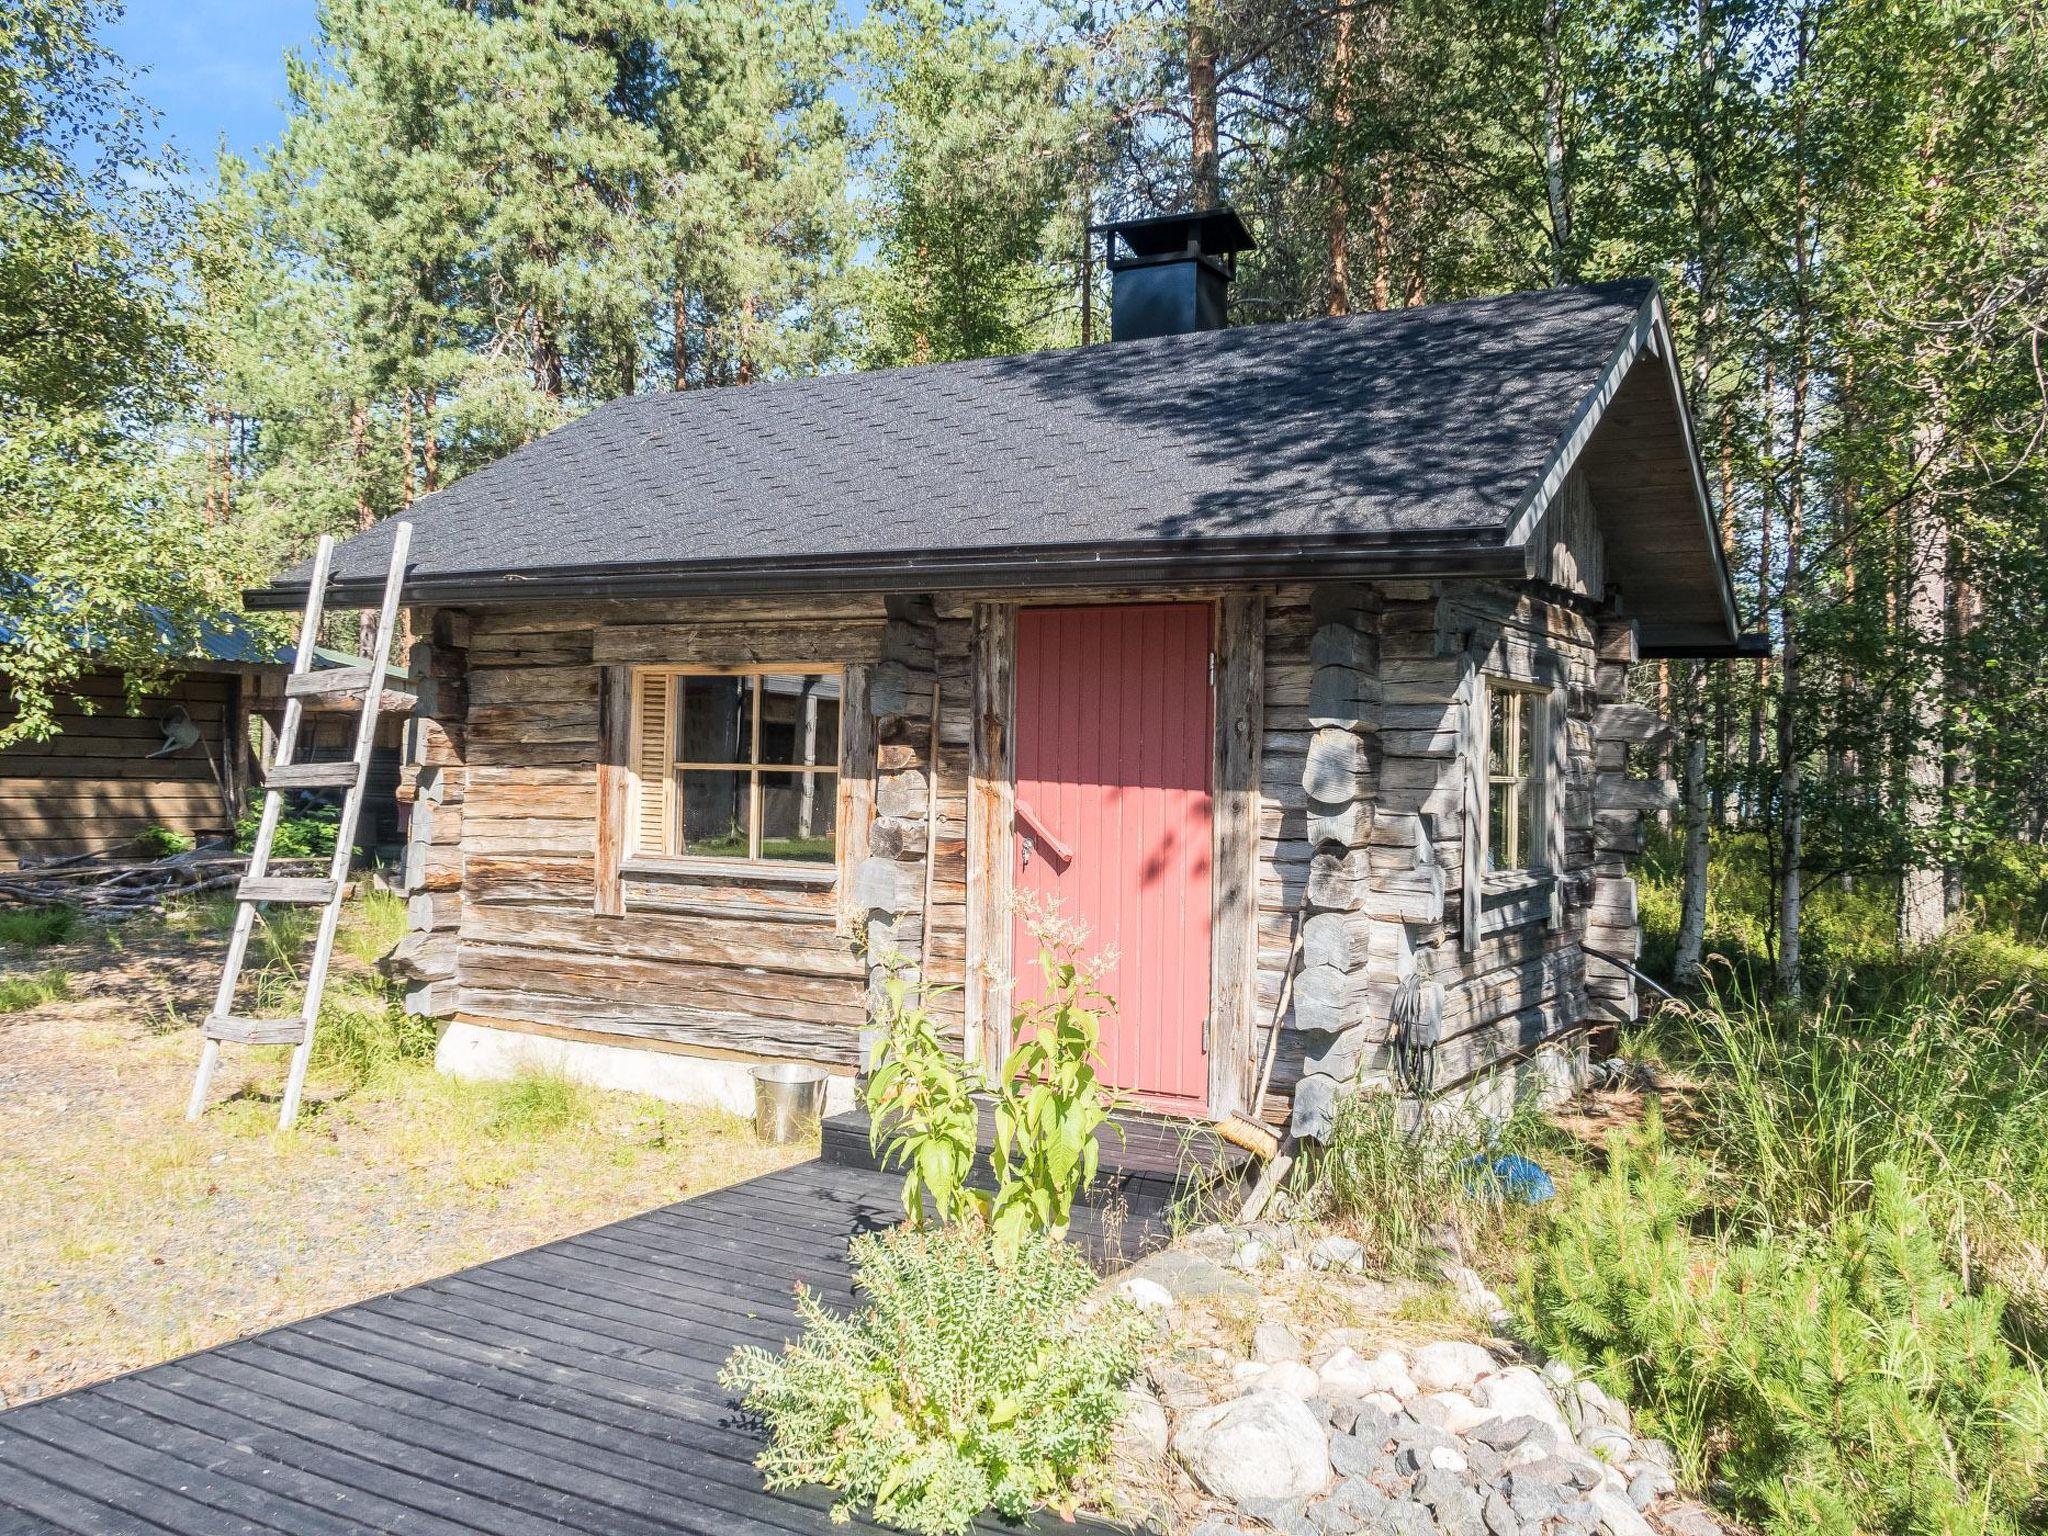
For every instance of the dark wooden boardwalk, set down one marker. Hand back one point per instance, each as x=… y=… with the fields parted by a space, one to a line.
x=571 y=1388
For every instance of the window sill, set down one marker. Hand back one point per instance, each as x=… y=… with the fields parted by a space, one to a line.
x=1517 y=882
x=745 y=871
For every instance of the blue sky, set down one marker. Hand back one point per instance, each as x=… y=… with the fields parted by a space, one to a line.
x=213 y=67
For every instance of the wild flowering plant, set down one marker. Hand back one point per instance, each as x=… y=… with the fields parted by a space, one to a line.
x=981 y=1369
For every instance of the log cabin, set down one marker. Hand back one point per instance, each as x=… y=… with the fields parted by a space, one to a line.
x=1290 y=660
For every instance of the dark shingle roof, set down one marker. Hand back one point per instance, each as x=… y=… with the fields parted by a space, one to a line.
x=1411 y=424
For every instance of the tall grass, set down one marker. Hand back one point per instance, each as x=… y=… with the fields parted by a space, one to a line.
x=38 y=927
x=1405 y=1184
x=20 y=993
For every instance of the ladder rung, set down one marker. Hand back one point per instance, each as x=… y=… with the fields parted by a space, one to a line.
x=310 y=776
x=331 y=680
x=229 y=1026
x=291 y=891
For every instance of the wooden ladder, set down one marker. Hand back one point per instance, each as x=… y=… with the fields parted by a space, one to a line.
x=360 y=688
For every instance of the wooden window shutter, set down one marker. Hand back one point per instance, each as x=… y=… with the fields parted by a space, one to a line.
x=614 y=788
x=654 y=786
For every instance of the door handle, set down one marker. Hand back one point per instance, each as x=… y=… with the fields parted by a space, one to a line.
x=1035 y=832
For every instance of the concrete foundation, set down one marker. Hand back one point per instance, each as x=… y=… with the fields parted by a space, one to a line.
x=477 y=1051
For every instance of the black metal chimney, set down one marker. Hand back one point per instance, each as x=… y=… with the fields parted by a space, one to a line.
x=1171 y=273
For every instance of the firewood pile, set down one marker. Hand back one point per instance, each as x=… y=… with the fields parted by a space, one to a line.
x=112 y=885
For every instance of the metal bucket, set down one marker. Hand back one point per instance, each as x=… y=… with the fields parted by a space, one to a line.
x=789 y=1100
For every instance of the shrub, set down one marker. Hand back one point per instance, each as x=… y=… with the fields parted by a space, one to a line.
x=1839 y=1379
x=964 y=1381
x=162 y=842
x=304 y=834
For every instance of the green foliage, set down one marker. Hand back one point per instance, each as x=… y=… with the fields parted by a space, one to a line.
x=35 y=927
x=1401 y=1182
x=163 y=842
x=1049 y=1103
x=20 y=993
x=531 y=1105
x=1840 y=1380
x=920 y=1100
x=965 y=1381
x=304 y=834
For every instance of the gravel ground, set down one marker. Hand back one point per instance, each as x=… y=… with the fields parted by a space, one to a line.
x=128 y=1237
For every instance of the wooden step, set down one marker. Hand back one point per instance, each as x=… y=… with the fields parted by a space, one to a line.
x=310 y=776
x=233 y=1027
x=286 y=890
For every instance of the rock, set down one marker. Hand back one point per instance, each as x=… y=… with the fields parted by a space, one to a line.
x=1374 y=1424
x=1596 y=1407
x=1519 y=1392
x=1340 y=1416
x=1336 y=1252
x=1499 y=1515
x=1656 y=1453
x=1176 y=1388
x=1356 y=1456
x=1315 y=1107
x=1452 y=1412
x=1359 y=1501
x=1471 y=1290
x=1559 y=1374
x=1607 y=1444
x=1648 y=1484
x=1690 y=1518
x=1250 y=1255
x=1503 y=1432
x=1386 y=1402
x=1404 y=1519
x=1146 y=1295
x=1288 y=1376
x=1344 y=1374
x=1275 y=1341
x=1533 y=1499
x=1142 y=1433
x=1458 y=1511
x=1485 y=1461
x=1263 y=1446
x=1216 y=1525
x=1618 y=1517
x=1449 y=1366
x=1186 y=1276
x=1292 y=1263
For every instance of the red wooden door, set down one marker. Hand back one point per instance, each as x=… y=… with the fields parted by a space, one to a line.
x=1113 y=740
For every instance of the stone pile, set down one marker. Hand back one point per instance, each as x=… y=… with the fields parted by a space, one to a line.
x=1332 y=1436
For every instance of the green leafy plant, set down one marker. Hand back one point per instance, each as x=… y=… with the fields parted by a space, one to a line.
x=1838 y=1380
x=163 y=842
x=1050 y=1102
x=921 y=1110
x=306 y=834
x=966 y=1380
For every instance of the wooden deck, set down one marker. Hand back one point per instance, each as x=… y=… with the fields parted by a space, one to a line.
x=571 y=1388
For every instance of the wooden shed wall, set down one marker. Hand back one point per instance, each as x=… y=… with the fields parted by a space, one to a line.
x=1364 y=687
x=94 y=786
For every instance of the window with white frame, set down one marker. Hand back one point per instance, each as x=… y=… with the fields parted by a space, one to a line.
x=737 y=764
x=1514 y=787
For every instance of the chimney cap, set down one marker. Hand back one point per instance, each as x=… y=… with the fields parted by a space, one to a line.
x=1208 y=232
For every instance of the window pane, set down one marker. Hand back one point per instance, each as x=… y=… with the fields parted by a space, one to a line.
x=800 y=719
x=714 y=812
x=1498 y=854
x=798 y=816
x=717 y=720
x=1518 y=854
x=1496 y=733
x=1525 y=716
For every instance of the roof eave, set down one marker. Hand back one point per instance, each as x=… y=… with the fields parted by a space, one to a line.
x=1650 y=332
x=1332 y=558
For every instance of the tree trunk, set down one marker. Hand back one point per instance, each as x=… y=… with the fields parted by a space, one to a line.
x=1205 y=167
x=1383 y=241
x=1692 y=904
x=1791 y=891
x=366 y=513
x=679 y=350
x=430 y=443
x=746 y=341
x=1338 y=233
x=1923 y=894
x=1556 y=192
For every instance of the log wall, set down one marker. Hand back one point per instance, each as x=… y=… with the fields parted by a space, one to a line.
x=94 y=786
x=1362 y=700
